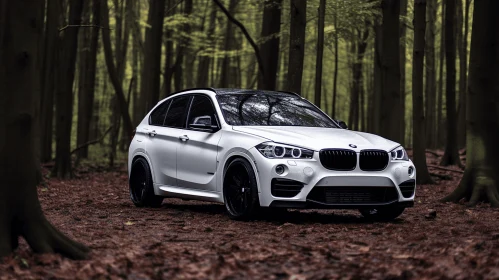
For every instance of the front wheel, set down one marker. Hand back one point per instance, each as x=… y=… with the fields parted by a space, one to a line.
x=383 y=213
x=141 y=189
x=240 y=190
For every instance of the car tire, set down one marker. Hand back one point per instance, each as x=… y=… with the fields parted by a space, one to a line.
x=141 y=189
x=240 y=190
x=382 y=214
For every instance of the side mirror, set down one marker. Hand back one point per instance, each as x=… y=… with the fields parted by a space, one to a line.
x=342 y=124
x=203 y=123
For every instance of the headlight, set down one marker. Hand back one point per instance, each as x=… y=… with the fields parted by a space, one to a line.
x=399 y=154
x=274 y=150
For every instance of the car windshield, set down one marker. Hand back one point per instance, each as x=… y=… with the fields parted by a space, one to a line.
x=271 y=109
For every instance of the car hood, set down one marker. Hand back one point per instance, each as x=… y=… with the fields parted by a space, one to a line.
x=317 y=138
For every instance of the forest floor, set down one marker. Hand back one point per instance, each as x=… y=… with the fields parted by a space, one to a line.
x=195 y=240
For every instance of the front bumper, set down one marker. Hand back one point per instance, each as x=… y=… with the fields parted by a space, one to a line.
x=341 y=189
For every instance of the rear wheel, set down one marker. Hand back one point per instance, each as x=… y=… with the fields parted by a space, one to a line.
x=384 y=213
x=141 y=189
x=240 y=190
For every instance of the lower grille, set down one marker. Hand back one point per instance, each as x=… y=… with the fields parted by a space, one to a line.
x=285 y=188
x=353 y=195
x=407 y=188
x=338 y=159
x=373 y=160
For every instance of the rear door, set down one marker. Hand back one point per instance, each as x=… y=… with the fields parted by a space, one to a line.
x=163 y=140
x=198 y=148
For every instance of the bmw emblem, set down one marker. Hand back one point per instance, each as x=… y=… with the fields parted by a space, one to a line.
x=352 y=146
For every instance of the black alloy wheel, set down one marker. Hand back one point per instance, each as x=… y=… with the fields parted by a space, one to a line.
x=141 y=189
x=240 y=190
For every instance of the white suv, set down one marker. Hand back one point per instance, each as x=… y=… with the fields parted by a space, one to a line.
x=252 y=149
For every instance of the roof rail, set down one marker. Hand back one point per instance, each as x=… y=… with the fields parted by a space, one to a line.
x=289 y=92
x=189 y=89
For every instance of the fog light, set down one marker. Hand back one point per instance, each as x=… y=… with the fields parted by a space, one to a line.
x=280 y=169
x=410 y=171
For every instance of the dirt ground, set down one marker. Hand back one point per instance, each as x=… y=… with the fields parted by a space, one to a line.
x=195 y=240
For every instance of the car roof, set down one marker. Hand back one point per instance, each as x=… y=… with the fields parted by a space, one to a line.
x=231 y=91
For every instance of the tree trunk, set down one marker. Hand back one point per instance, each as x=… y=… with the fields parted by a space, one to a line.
x=357 y=77
x=418 y=118
x=336 y=62
x=21 y=213
x=403 y=44
x=298 y=23
x=87 y=83
x=227 y=75
x=182 y=49
x=431 y=78
x=113 y=74
x=150 y=77
x=205 y=60
x=378 y=85
x=480 y=181
x=320 y=53
x=269 y=49
x=440 y=123
x=391 y=120
x=462 y=46
x=64 y=96
x=451 y=155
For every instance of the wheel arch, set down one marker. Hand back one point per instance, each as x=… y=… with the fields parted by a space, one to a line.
x=144 y=156
x=234 y=155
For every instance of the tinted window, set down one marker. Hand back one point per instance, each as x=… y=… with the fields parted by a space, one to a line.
x=273 y=109
x=202 y=111
x=176 y=114
x=158 y=115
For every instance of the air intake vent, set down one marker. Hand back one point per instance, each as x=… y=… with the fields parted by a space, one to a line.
x=353 y=195
x=338 y=159
x=285 y=188
x=373 y=160
x=407 y=188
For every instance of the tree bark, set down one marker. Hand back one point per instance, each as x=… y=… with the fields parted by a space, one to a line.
x=150 y=76
x=20 y=211
x=419 y=131
x=64 y=95
x=178 y=73
x=357 y=77
x=462 y=46
x=227 y=75
x=378 y=84
x=440 y=132
x=336 y=63
x=206 y=60
x=480 y=181
x=391 y=119
x=403 y=47
x=320 y=53
x=87 y=83
x=298 y=23
x=431 y=78
x=451 y=155
x=269 y=50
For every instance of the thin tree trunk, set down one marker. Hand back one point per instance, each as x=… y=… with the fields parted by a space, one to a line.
x=205 y=60
x=451 y=155
x=403 y=46
x=358 y=79
x=391 y=120
x=462 y=43
x=440 y=124
x=227 y=75
x=418 y=118
x=431 y=78
x=182 y=49
x=64 y=96
x=336 y=62
x=378 y=84
x=320 y=53
x=480 y=181
x=298 y=23
x=21 y=214
x=269 y=49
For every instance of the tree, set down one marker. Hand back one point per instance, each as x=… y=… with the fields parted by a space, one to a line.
x=403 y=44
x=360 y=46
x=64 y=93
x=320 y=53
x=451 y=155
x=431 y=75
x=419 y=123
x=206 y=60
x=480 y=181
x=227 y=72
x=21 y=214
x=88 y=64
x=390 y=114
x=298 y=23
x=269 y=49
x=150 y=76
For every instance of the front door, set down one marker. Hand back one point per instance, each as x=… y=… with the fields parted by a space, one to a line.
x=198 y=148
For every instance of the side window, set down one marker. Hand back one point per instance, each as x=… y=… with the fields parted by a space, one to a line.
x=176 y=114
x=202 y=111
x=158 y=115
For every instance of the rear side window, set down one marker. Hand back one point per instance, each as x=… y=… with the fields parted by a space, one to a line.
x=157 y=116
x=202 y=111
x=177 y=113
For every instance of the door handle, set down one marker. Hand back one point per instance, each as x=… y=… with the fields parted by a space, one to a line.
x=184 y=138
x=152 y=133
